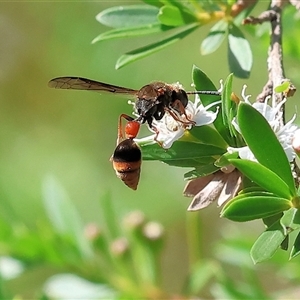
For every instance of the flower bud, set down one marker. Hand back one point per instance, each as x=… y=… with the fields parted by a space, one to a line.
x=153 y=230
x=119 y=246
x=134 y=219
x=92 y=231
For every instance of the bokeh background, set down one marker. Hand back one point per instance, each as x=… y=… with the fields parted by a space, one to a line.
x=70 y=135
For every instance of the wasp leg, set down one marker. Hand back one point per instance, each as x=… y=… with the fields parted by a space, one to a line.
x=156 y=131
x=120 y=127
x=180 y=110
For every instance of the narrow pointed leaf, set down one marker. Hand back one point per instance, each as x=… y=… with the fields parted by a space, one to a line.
x=285 y=243
x=180 y=150
x=153 y=2
x=200 y=171
x=223 y=161
x=228 y=106
x=203 y=83
x=269 y=221
x=109 y=217
x=268 y=243
x=63 y=215
x=125 y=32
x=296 y=247
x=253 y=206
x=176 y=3
x=202 y=272
x=239 y=53
x=264 y=144
x=291 y=219
x=208 y=135
x=142 y=52
x=215 y=38
x=189 y=163
x=173 y=16
x=128 y=16
x=263 y=176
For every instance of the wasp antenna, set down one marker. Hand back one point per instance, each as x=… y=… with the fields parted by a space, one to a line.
x=215 y=93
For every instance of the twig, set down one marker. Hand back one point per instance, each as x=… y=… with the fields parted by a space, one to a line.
x=275 y=65
x=266 y=16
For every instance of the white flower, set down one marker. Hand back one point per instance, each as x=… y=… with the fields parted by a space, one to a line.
x=296 y=142
x=273 y=114
x=170 y=130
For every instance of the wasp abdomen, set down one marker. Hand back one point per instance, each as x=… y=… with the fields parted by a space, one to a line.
x=127 y=162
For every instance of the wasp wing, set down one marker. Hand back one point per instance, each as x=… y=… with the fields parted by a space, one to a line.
x=78 y=83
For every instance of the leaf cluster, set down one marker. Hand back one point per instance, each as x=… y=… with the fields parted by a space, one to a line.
x=174 y=20
x=116 y=260
x=268 y=189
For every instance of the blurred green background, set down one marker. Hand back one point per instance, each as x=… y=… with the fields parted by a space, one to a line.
x=71 y=134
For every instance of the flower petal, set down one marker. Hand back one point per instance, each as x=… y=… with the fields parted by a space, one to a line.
x=194 y=186
x=209 y=193
x=231 y=187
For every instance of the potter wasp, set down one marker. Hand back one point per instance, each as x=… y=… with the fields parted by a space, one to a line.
x=152 y=102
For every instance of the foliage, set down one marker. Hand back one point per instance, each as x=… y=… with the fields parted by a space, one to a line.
x=63 y=256
x=269 y=189
x=123 y=259
x=174 y=20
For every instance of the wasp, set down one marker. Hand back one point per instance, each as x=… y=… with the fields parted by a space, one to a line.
x=127 y=157
x=152 y=102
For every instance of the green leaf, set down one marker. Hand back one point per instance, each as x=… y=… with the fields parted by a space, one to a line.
x=208 y=135
x=139 y=53
x=125 y=32
x=153 y=2
x=269 y=221
x=282 y=87
x=258 y=173
x=264 y=144
x=189 y=163
x=268 y=243
x=176 y=3
x=285 y=243
x=109 y=217
x=201 y=171
x=128 y=16
x=203 y=83
x=251 y=206
x=291 y=219
x=180 y=150
x=228 y=106
x=239 y=53
x=63 y=215
x=250 y=189
x=296 y=247
x=202 y=272
x=215 y=38
x=170 y=16
x=173 y=16
x=223 y=161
